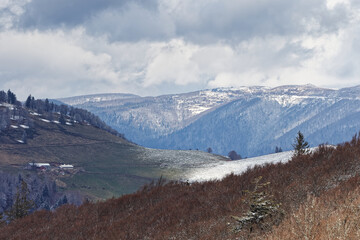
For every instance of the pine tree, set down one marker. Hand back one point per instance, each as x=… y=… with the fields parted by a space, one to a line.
x=47 y=105
x=263 y=211
x=28 y=102
x=300 y=145
x=11 y=97
x=62 y=119
x=22 y=205
x=3 y=96
x=278 y=149
x=233 y=155
x=24 y=137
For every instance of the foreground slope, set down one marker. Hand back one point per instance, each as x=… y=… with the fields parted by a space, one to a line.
x=232 y=118
x=309 y=188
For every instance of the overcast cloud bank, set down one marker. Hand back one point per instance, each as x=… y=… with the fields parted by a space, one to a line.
x=59 y=48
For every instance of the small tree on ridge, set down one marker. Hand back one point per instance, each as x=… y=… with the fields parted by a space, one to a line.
x=300 y=145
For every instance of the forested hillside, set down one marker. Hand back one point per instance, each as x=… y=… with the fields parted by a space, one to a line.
x=226 y=119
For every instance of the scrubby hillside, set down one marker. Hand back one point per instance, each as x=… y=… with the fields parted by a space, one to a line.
x=204 y=210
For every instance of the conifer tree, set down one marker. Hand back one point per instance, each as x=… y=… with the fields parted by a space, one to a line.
x=300 y=145
x=233 y=155
x=47 y=105
x=263 y=211
x=22 y=204
x=62 y=119
x=11 y=97
x=24 y=137
x=3 y=96
x=28 y=102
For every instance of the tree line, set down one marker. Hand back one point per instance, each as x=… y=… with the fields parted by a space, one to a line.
x=47 y=109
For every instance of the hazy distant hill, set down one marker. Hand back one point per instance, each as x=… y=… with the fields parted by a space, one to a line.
x=250 y=120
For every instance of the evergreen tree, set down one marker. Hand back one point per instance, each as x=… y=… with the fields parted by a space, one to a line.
x=24 y=137
x=45 y=193
x=233 y=155
x=278 y=149
x=300 y=145
x=3 y=96
x=32 y=104
x=11 y=97
x=263 y=211
x=209 y=150
x=62 y=119
x=47 y=105
x=28 y=102
x=22 y=205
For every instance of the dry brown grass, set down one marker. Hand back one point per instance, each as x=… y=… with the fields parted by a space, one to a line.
x=318 y=193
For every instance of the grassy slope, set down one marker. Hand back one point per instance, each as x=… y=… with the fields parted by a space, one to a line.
x=111 y=165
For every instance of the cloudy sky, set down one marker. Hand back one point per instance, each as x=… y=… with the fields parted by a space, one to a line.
x=59 y=48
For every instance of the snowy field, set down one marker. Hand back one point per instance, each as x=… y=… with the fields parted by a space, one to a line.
x=218 y=170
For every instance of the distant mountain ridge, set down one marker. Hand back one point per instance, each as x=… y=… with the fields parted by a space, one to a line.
x=251 y=120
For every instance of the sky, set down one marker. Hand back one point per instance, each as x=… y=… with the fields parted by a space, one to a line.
x=61 y=48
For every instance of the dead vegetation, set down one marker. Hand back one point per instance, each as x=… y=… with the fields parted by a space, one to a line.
x=318 y=193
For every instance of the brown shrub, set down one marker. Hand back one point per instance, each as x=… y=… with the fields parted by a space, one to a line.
x=202 y=210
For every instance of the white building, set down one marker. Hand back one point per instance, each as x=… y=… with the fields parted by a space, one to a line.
x=66 y=166
x=39 y=165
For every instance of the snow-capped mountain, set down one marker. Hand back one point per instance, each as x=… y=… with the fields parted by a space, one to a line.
x=96 y=98
x=249 y=120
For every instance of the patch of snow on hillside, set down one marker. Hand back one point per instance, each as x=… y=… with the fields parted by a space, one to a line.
x=221 y=169
x=67 y=123
x=20 y=141
x=197 y=109
x=13 y=126
x=24 y=126
x=57 y=122
x=287 y=100
x=44 y=120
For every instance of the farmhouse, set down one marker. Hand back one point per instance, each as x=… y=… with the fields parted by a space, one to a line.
x=66 y=166
x=40 y=165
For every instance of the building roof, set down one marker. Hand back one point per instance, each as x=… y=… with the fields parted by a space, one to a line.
x=66 y=166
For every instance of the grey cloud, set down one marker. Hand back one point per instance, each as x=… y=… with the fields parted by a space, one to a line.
x=133 y=22
x=200 y=21
x=238 y=20
x=49 y=14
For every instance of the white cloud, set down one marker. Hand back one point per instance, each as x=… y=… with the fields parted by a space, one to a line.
x=10 y=12
x=51 y=61
x=177 y=45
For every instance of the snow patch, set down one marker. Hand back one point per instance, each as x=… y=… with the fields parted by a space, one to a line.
x=57 y=122
x=13 y=126
x=218 y=170
x=24 y=126
x=20 y=141
x=67 y=123
x=44 y=120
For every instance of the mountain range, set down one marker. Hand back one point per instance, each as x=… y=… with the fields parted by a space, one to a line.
x=250 y=120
